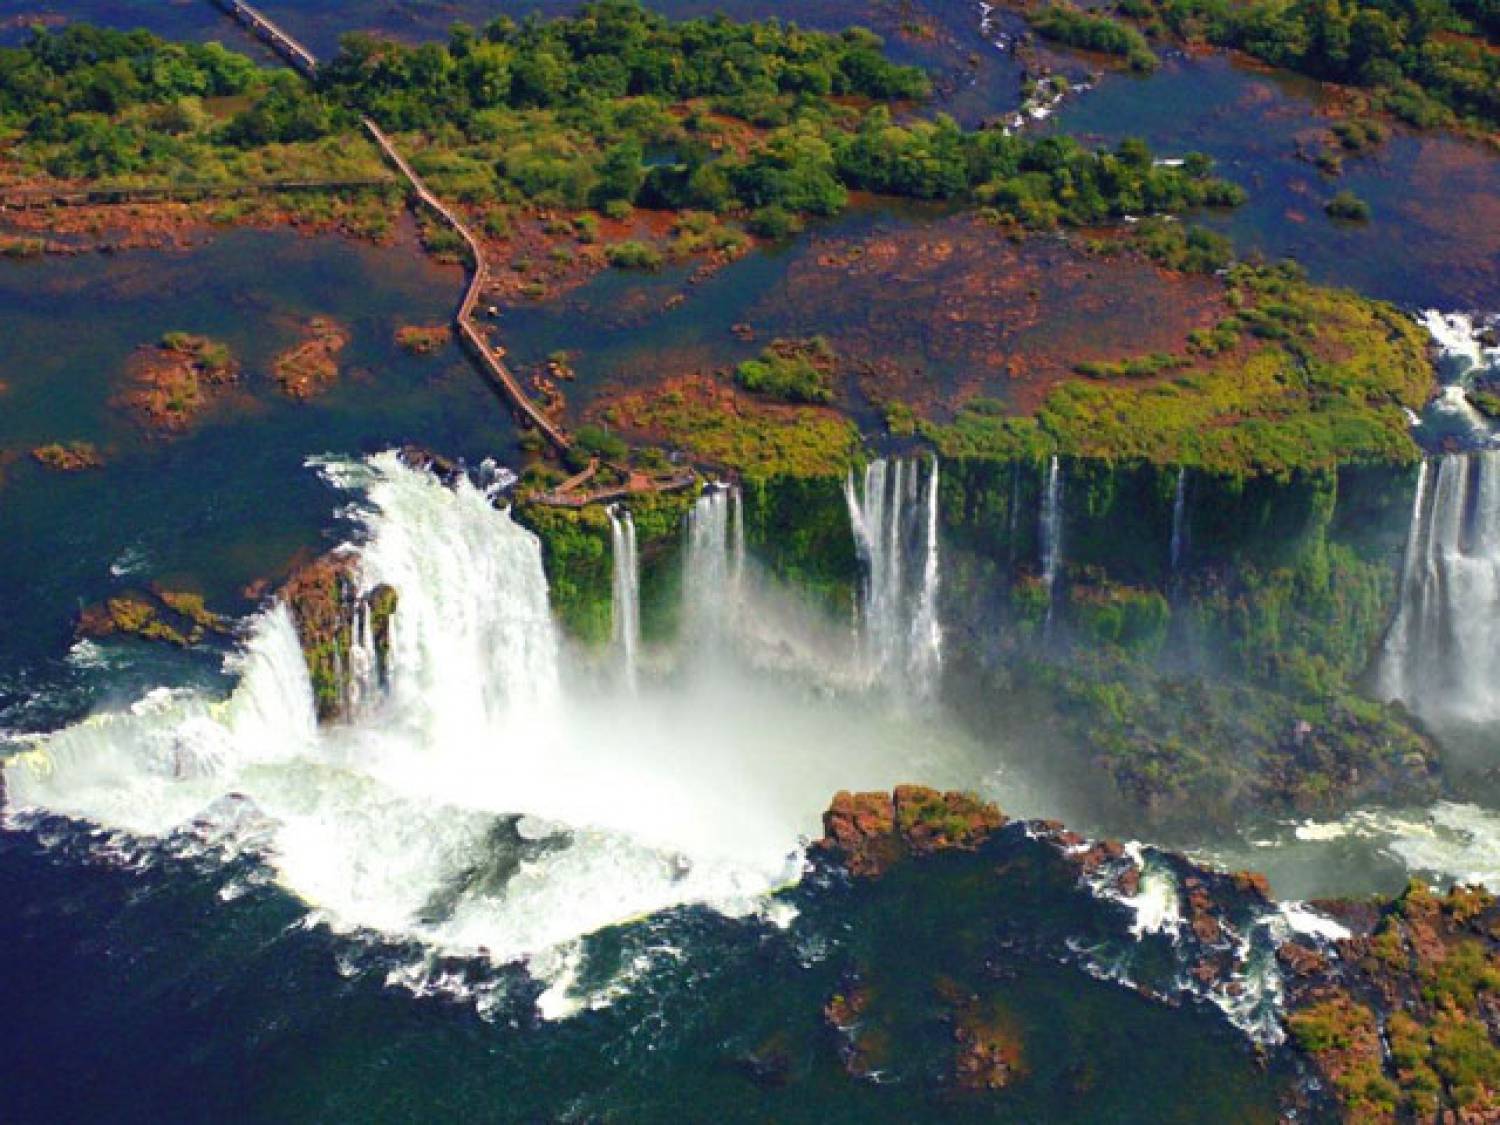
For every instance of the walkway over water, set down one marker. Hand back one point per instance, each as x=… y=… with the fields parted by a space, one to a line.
x=304 y=62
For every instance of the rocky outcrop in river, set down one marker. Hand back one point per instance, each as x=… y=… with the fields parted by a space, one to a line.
x=333 y=620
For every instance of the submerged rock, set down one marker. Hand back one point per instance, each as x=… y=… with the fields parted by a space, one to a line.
x=72 y=457
x=311 y=367
x=173 y=616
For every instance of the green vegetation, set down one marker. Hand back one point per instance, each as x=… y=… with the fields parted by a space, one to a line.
x=634 y=256
x=1256 y=636
x=1091 y=31
x=575 y=551
x=714 y=426
x=1429 y=63
x=127 y=107
x=579 y=565
x=1349 y=207
x=1429 y=986
x=1299 y=378
x=765 y=120
x=791 y=370
x=1191 y=249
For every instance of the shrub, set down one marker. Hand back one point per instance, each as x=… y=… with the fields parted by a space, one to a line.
x=790 y=370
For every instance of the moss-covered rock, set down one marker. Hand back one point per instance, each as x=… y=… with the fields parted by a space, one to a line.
x=867 y=833
x=1406 y=1024
x=328 y=609
x=174 y=617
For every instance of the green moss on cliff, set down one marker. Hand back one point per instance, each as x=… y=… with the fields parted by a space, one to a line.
x=580 y=566
x=576 y=555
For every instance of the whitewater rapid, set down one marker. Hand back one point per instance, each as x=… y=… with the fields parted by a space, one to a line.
x=484 y=805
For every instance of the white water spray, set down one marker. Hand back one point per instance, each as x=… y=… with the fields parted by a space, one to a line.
x=896 y=538
x=714 y=569
x=1179 y=521
x=1050 y=533
x=626 y=592
x=474 y=809
x=1442 y=654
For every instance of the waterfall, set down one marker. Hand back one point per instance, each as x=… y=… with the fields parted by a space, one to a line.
x=473 y=647
x=627 y=591
x=1050 y=532
x=899 y=636
x=1442 y=653
x=361 y=678
x=1179 y=521
x=714 y=569
x=470 y=814
x=927 y=634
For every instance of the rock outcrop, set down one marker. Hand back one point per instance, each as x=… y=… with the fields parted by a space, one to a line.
x=333 y=619
x=1403 y=1023
x=866 y=833
x=155 y=614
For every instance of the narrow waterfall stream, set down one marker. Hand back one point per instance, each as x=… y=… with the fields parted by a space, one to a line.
x=893 y=515
x=1049 y=531
x=626 y=589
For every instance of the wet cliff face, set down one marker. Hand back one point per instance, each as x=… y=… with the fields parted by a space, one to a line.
x=1192 y=646
x=336 y=624
x=1203 y=641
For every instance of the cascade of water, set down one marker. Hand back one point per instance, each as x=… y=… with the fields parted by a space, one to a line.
x=474 y=647
x=926 y=655
x=1015 y=509
x=737 y=543
x=1179 y=520
x=361 y=678
x=714 y=562
x=893 y=514
x=1442 y=653
x=473 y=814
x=627 y=591
x=1050 y=532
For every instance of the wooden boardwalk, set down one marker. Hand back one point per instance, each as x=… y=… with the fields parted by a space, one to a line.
x=473 y=340
x=638 y=484
x=298 y=57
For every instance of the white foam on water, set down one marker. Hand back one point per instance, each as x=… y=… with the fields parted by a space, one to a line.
x=1157 y=902
x=403 y=822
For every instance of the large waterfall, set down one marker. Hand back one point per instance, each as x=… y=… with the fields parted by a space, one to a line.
x=1442 y=654
x=626 y=591
x=894 y=516
x=479 y=806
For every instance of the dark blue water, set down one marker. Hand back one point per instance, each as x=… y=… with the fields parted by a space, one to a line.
x=144 y=996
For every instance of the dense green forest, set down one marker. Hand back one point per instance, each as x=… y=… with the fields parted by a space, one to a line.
x=1430 y=62
x=613 y=108
x=91 y=103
